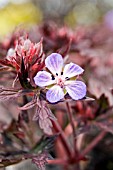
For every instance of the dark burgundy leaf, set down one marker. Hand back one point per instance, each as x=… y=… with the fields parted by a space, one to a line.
x=41 y=160
x=44 y=116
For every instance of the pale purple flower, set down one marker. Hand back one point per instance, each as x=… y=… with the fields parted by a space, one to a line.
x=108 y=19
x=61 y=80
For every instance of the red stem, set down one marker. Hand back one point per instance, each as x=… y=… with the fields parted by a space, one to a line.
x=58 y=162
x=93 y=144
x=58 y=129
x=70 y=115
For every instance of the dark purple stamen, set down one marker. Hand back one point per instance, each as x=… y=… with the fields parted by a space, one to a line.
x=53 y=78
x=67 y=78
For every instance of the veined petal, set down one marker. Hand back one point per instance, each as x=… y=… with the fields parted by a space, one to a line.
x=71 y=70
x=55 y=94
x=76 y=89
x=54 y=63
x=43 y=78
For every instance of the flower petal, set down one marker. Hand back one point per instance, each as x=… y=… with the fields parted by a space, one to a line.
x=54 y=63
x=55 y=94
x=76 y=89
x=71 y=70
x=43 y=78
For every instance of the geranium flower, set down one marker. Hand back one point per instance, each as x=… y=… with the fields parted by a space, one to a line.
x=61 y=80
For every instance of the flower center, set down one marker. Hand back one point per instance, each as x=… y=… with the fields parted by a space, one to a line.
x=60 y=81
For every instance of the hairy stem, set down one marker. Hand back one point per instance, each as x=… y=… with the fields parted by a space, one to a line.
x=58 y=162
x=93 y=144
x=70 y=115
x=58 y=129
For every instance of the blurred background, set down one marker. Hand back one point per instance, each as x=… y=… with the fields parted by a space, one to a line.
x=26 y=13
